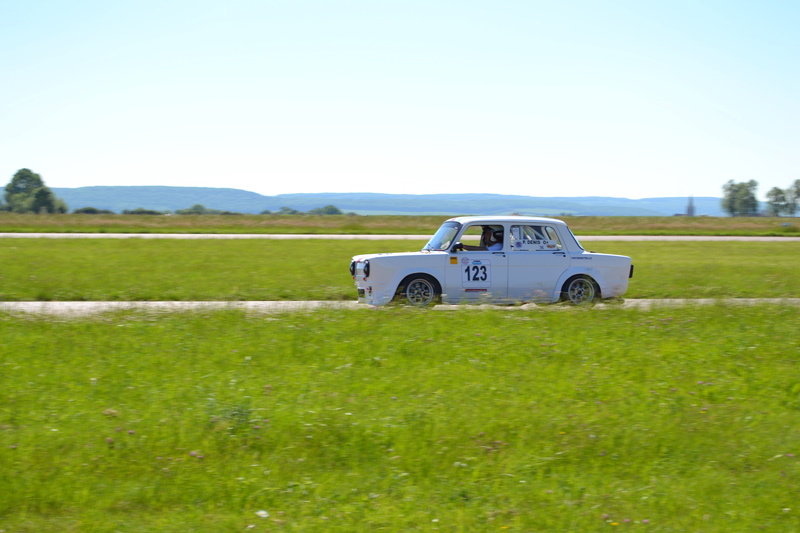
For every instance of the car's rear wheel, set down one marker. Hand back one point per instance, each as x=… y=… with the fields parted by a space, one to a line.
x=419 y=290
x=580 y=290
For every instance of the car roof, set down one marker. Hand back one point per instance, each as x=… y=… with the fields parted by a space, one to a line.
x=513 y=219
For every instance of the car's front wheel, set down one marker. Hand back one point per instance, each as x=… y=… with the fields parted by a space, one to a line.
x=580 y=290
x=419 y=290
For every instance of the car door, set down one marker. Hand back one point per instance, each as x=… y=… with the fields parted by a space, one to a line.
x=536 y=260
x=477 y=275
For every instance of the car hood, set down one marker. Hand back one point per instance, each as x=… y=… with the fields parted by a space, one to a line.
x=364 y=257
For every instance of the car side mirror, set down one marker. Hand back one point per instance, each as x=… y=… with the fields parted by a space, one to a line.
x=457 y=247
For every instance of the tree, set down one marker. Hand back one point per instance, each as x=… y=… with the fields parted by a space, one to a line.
x=200 y=209
x=776 y=202
x=93 y=211
x=783 y=201
x=792 y=198
x=327 y=210
x=196 y=209
x=143 y=211
x=43 y=201
x=739 y=199
x=27 y=193
x=19 y=191
x=24 y=181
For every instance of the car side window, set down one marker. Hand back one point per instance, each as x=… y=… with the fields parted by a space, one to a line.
x=471 y=236
x=535 y=239
x=485 y=237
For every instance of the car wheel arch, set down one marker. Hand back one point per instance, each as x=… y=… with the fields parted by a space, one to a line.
x=435 y=287
x=580 y=289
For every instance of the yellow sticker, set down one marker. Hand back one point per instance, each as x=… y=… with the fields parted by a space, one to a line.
x=454 y=260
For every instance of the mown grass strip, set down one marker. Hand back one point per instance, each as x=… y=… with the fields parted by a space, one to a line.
x=196 y=270
x=379 y=225
x=281 y=224
x=403 y=420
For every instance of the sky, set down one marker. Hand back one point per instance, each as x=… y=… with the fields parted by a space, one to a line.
x=623 y=98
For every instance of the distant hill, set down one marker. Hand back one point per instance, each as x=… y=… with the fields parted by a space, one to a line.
x=162 y=198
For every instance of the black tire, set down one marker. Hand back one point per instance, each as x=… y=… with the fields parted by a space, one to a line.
x=580 y=290
x=419 y=290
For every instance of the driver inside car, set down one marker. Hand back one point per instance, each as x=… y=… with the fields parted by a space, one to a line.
x=491 y=240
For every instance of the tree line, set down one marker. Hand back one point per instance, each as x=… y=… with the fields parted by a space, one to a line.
x=27 y=193
x=739 y=199
x=199 y=209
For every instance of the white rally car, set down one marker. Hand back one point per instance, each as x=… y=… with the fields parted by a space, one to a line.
x=493 y=260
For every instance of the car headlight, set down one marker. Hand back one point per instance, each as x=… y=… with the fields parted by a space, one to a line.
x=352 y=268
x=366 y=269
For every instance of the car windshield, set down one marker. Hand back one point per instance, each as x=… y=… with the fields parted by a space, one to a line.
x=443 y=238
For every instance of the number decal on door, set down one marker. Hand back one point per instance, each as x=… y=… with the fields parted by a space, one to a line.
x=476 y=273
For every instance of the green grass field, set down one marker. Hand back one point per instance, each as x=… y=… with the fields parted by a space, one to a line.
x=556 y=419
x=196 y=270
x=393 y=419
